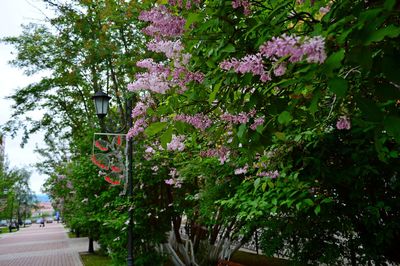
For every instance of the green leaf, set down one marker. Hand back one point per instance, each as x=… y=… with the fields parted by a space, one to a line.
x=280 y=135
x=230 y=48
x=155 y=128
x=338 y=86
x=257 y=183
x=390 y=31
x=309 y=202
x=166 y=137
x=191 y=18
x=327 y=200
x=284 y=118
x=274 y=201
x=389 y=4
x=215 y=91
x=392 y=125
x=334 y=61
x=317 y=209
x=264 y=186
x=241 y=130
x=369 y=109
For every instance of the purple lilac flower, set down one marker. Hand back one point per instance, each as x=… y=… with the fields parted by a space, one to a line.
x=242 y=3
x=171 y=49
x=199 y=120
x=242 y=170
x=223 y=154
x=270 y=174
x=343 y=123
x=137 y=128
x=258 y=121
x=176 y=143
x=139 y=110
x=248 y=64
x=312 y=49
x=280 y=70
x=163 y=23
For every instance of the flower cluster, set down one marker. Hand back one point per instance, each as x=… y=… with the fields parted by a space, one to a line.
x=343 y=123
x=137 y=128
x=176 y=143
x=242 y=170
x=160 y=78
x=296 y=48
x=248 y=64
x=242 y=3
x=241 y=118
x=171 y=49
x=270 y=174
x=199 y=121
x=188 y=4
x=222 y=152
x=177 y=183
x=139 y=110
x=258 y=121
x=155 y=79
x=163 y=23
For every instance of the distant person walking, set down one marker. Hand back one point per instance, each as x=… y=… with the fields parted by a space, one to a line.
x=42 y=223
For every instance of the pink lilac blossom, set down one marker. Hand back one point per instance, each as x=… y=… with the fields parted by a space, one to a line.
x=173 y=172
x=150 y=81
x=258 y=121
x=150 y=150
x=223 y=154
x=148 y=153
x=280 y=70
x=242 y=3
x=137 y=128
x=241 y=118
x=324 y=10
x=199 y=120
x=139 y=110
x=176 y=143
x=177 y=183
x=171 y=49
x=270 y=174
x=188 y=4
x=242 y=170
x=312 y=49
x=158 y=78
x=69 y=185
x=343 y=123
x=248 y=64
x=163 y=23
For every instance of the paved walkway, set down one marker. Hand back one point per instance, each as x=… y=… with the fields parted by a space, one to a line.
x=38 y=246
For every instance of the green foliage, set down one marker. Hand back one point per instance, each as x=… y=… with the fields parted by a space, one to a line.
x=321 y=194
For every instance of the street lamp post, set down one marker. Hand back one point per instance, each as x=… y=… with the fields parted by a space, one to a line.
x=101 y=102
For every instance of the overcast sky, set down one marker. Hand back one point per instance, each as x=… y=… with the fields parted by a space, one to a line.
x=13 y=13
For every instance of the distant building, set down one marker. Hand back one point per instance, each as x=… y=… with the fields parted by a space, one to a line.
x=43 y=208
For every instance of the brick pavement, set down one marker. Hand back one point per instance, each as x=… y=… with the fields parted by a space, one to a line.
x=38 y=246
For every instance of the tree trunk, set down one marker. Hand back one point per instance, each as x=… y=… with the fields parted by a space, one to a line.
x=91 y=249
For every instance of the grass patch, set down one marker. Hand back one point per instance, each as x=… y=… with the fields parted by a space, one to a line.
x=4 y=230
x=95 y=259
x=251 y=259
x=71 y=235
